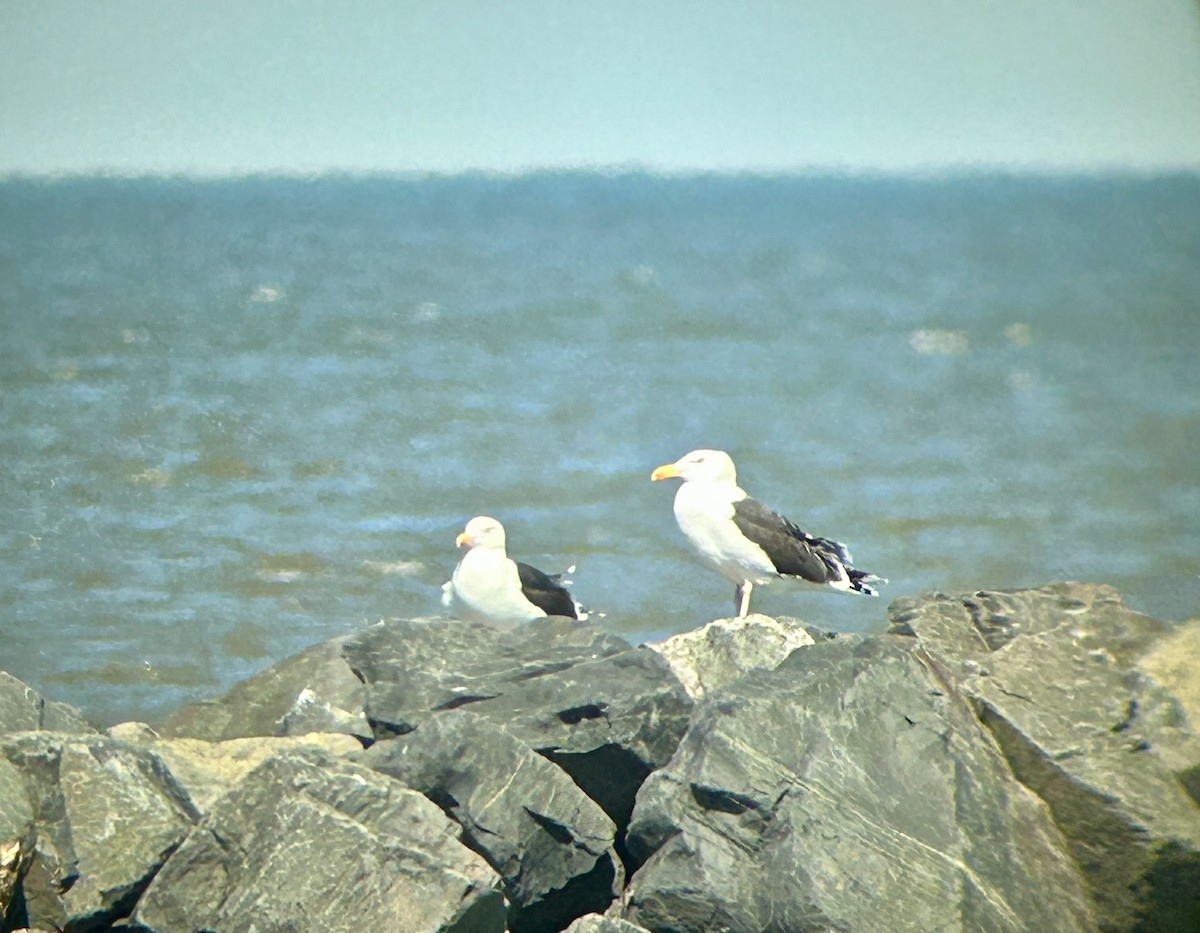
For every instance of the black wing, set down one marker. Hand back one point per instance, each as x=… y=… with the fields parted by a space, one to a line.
x=793 y=551
x=541 y=590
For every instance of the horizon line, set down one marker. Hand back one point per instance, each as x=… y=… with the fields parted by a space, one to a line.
x=929 y=172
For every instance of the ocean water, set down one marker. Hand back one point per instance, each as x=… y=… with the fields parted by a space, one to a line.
x=240 y=417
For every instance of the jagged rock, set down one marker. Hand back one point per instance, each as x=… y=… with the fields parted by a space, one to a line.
x=133 y=733
x=968 y=629
x=717 y=654
x=22 y=708
x=595 y=923
x=309 y=842
x=606 y=713
x=552 y=844
x=17 y=837
x=608 y=723
x=313 y=691
x=15 y=855
x=848 y=789
x=851 y=788
x=413 y=668
x=206 y=770
x=107 y=815
x=1173 y=662
x=1053 y=674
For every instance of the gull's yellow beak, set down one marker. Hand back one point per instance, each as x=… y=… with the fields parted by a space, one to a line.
x=666 y=471
x=464 y=540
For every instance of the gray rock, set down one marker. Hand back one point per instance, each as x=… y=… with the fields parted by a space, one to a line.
x=313 y=691
x=716 y=654
x=595 y=923
x=309 y=842
x=1053 y=674
x=967 y=629
x=846 y=790
x=206 y=770
x=107 y=815
x=413 y=668
x=15 y=856
x=1173 y=662
x=22 y=708
x=606 y=713
x=17 y=838
x=608 y=723
x=551 y=843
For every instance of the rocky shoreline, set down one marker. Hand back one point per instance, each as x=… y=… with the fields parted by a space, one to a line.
x=999 y=761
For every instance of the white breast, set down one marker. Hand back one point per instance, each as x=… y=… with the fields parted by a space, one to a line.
x=705 y=516
x=485 y=587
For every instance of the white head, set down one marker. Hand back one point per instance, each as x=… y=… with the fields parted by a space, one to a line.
x=482 y=531
x=705 y=466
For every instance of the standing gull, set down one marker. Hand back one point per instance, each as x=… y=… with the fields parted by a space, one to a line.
x=488 y=586
x=745 y=540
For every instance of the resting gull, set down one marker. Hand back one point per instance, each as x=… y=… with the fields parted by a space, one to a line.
x=746 y=541
x=488 y=586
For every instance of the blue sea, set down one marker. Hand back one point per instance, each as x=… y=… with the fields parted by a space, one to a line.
x=243 y=416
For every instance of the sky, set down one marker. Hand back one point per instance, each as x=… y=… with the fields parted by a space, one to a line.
x=252 y=86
